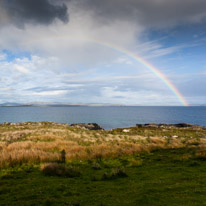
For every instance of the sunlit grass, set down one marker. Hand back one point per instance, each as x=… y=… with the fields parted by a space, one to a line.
x=43 y=142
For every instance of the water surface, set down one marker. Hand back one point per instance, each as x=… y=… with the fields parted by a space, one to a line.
x=109 y=117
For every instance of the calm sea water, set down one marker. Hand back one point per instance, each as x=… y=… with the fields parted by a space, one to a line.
x=108 y=117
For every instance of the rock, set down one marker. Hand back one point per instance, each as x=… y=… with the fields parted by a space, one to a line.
x=184 y=125
x=167 y=126
x=174 y=136
x=163 y=125
x=89 y=126
x=126 y=130
x=151 y=125
x=6 y=123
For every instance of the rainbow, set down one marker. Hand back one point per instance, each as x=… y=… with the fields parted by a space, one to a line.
x=142 y=61
x=146 y=64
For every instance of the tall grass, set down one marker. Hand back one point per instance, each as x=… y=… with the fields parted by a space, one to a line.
x=37 y=143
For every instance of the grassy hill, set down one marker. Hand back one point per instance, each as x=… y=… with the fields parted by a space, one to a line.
x=55 y=164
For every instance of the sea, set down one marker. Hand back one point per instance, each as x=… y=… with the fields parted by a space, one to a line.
x=108 y=117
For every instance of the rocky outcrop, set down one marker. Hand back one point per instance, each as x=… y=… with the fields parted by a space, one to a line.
x=179 y=125
x=95 y=126
x=185 y=125
x=34 y=123
x=89 y=126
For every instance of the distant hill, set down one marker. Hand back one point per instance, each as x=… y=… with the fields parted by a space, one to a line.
x=51 y=104
x=60 y=104
x=10 y=104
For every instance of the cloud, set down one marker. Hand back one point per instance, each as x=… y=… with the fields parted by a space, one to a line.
x=122 y=60
x=50 y=93
x=44 y=12
x=2 y=56
x=32 y=79
x=69 y=62
x=21 y=69
x=135 y=97
x=77 y=42
x=147 y=12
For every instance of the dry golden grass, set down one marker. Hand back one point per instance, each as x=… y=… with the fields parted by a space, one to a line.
x=37 y=143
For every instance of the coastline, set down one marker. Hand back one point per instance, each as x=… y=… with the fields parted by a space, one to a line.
x=95 y=126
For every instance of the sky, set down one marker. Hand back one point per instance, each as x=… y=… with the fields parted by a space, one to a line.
x=134 y=52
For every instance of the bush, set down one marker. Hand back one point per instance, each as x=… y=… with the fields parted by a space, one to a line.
x=55 y=169
x=135 y=163
x=118 y=172
x=96 y=166
x=115 y=173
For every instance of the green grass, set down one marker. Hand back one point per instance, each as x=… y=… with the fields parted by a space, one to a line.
x=159 y=178
x=161 y=132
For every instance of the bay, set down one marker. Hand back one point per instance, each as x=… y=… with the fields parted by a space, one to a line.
x=108 y=117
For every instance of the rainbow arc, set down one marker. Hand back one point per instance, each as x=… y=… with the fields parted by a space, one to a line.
x=146 y=64
x=142 y=61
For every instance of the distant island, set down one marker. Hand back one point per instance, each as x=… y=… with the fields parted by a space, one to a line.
x=60 y=104
x=63 y=104
x=54 y=104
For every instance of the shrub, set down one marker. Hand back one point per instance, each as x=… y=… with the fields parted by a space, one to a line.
x=118 y=172
x=115 y=173
x=135 y=163
x=55 y=169
x=96 y=166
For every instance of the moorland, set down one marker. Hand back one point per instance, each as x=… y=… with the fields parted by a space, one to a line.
x=47 y=163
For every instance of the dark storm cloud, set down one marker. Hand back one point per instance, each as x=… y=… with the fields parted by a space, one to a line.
x=147 y=12
x=20 y=12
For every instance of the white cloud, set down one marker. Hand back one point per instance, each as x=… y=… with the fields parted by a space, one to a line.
x=50 y=93
x=21 y=69
x=2 y=56
x=142 y=97
x=5 y=89
x=123 y=60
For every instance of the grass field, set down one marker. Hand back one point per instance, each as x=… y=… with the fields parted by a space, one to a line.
x=142 y=166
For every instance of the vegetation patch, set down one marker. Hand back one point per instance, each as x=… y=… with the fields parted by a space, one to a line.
x=115 y=173
x=54 y=164
x=34 y=143
x=55 y=169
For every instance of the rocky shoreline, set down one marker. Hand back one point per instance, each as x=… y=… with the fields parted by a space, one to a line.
x=95 y=126
x=165 y=125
